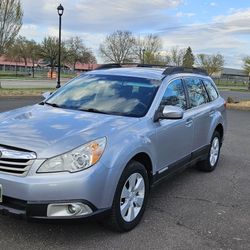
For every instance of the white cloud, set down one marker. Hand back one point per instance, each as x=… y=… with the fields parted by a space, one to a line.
x=213 y=4
x=226 y=34
x=30 y=30
x=183 y=14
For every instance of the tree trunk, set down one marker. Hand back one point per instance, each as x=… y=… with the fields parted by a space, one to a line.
x=33 y=69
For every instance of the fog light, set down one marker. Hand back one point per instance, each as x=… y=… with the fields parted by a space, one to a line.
x=68 y=209
x=74 y=208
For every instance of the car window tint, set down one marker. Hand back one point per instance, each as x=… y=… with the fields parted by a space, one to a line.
x=196 y=91
x=175 y=95
x=211 y=90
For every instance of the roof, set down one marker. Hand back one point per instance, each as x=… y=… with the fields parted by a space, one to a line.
x=150 y=73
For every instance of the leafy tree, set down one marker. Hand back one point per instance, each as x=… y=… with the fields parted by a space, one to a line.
x=78 y=52
x=211 y=63
x=188 y=58
x=118 y=47
x=34 y=50
x=21 y=48
x=11 y=15
x=246 y=67
x=49 y=51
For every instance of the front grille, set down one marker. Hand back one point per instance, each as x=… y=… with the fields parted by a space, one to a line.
x=15 y=162
x=18 y=167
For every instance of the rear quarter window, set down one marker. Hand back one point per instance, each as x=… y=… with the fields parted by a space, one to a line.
x=212 y=92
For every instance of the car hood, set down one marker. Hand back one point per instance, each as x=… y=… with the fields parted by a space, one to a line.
x=50 y=131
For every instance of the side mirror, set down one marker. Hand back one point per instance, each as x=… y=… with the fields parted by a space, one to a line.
x=46 y=95
x=169 y=112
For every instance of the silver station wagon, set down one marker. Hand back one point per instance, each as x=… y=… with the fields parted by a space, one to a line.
x=97 y=145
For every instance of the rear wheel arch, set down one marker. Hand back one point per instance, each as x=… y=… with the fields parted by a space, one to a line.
x=219 y=128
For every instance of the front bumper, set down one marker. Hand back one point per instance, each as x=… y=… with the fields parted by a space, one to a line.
x=38 y=210
x=95 y=185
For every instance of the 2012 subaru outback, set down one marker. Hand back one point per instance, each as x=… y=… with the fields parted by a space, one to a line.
x=99 y=143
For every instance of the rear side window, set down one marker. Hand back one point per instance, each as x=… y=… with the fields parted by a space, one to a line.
x=175 y=95
x=196 y=91
x=213 y=94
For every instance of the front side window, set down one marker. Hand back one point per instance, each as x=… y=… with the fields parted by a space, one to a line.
x=117 y=95
x=175 y=95
x=211 y=90
x=196 y=91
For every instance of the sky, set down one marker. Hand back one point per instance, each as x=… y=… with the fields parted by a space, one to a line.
x=206 y=26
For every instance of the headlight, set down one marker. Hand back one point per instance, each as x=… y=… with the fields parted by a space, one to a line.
x=77 y=159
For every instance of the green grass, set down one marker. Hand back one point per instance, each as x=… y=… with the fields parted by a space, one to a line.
x=24 y=92
x=12 y=75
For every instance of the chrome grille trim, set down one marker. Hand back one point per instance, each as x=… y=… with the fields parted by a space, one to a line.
x=14 y=162
x=15 y=154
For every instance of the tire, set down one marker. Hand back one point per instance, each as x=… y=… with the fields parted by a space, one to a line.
x=211 y=162
x=123 y=222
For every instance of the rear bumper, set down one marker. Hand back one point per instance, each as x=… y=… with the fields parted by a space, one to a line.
x=29 y=210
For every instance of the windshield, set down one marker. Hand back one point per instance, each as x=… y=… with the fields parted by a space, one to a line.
x=118 y=95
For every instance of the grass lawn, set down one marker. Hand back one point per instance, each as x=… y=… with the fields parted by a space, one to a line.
x=23 y=92
x=12 y=75
x=243 y=105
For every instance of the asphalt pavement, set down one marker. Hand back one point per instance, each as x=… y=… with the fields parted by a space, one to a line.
x=241 y=96
x=193 y=210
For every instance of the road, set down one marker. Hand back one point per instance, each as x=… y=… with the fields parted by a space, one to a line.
x=235 y=94
x=193 y=210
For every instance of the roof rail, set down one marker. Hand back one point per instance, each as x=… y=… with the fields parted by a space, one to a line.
x=169 y=70
x=142 y=65
x=109 y=66
x=176 y=70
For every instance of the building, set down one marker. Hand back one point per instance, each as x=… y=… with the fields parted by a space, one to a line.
x=232 y=75
x=19 y=66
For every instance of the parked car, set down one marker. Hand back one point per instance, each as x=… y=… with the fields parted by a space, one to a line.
x=98 y=144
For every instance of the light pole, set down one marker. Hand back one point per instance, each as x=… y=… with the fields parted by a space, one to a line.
x=60 y=10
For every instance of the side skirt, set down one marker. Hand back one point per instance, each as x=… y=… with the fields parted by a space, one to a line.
x=180 y=165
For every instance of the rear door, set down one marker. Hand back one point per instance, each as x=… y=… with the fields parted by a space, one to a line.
x=200 y=111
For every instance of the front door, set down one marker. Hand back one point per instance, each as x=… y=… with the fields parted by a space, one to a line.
x=174 y=137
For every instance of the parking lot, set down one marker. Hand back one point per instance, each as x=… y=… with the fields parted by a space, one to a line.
x=193 y=210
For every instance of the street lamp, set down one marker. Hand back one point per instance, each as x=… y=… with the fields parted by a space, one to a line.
x=60 y=10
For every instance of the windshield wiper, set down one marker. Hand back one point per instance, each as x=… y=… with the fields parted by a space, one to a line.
x=94 y=111
x=53 y=105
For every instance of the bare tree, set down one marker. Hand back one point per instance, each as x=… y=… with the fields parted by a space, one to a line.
x=176 y=56
x=118 y=47
x=78 y=52
x=147 y=49
x=11 y=15
x=211 y=63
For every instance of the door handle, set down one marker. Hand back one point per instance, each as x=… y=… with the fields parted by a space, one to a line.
x=189 y=123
